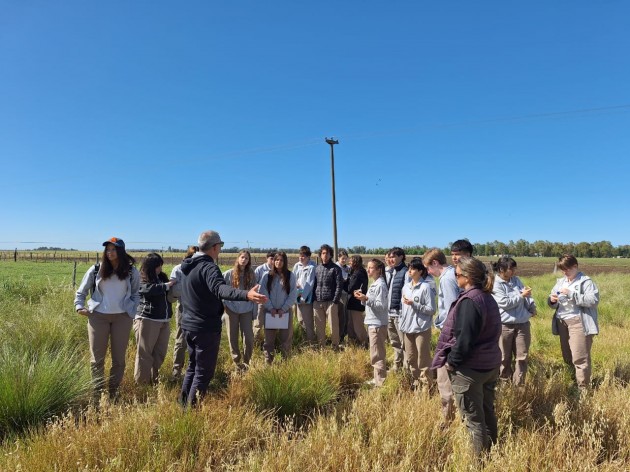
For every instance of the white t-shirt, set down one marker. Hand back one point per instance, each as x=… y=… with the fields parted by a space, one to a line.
x=114 y=291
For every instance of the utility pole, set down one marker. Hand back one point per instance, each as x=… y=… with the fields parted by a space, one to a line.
x=332 y=143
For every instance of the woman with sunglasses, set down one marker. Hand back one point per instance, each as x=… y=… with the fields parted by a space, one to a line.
x=468 y=347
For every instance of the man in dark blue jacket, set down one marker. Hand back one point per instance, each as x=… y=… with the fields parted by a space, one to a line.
x=203 y=289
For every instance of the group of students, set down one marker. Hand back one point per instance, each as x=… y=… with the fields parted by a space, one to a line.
x=483 y=317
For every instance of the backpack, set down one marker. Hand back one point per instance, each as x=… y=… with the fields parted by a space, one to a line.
x=97 y=267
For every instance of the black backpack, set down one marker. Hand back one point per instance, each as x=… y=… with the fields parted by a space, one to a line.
x=97 y=267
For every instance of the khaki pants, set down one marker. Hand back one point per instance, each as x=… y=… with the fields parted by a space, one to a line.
x=514 y=342
x=323 y=311
x=396 y=341
x=378 y=336
x=418 y=351
x=179 y=348
x=152 y=341
x=285 y=338
x=305 y=317
x=259 y=324
x=240 y=322
x=446 y=394
x=342 y=314
x=356 y=327
x=576 y=349
x=101 y=329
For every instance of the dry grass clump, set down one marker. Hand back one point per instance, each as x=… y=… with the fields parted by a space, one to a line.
x=157 y=436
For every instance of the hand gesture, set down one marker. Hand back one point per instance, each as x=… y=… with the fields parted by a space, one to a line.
x=254 y=296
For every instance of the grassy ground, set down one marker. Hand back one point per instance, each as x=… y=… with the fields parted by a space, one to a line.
x=310 y=413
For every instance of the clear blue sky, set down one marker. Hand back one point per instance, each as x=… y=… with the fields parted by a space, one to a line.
x=153 y=121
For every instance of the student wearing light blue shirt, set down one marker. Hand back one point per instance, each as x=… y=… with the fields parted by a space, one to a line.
x=516 y=306
x=418 y=307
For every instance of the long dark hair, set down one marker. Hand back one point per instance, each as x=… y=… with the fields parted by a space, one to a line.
x=284 y=273
x=356 y=263
x=147 y=269
x=247 y=273
x=125 y=263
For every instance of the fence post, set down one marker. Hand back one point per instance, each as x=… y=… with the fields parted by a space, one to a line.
x=74 y=275
x=15 y=255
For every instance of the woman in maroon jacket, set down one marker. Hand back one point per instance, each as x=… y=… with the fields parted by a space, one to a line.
x=469 y=348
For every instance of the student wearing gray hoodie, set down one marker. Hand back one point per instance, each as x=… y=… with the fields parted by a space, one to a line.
x=575 y=298
x=240 y=314
x=376 y=319
x=516 y=306
x=304 y=271
x=418 y=307
x=280 y=287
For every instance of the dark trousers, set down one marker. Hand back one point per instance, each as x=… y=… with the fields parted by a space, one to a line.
x=203 y=351
x=474 y=396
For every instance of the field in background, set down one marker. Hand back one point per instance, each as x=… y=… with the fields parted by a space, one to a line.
x=527 y=266
x=342 y=426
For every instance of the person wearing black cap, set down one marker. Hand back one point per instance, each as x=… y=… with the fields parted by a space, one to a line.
x=113 y=286
x=203 y=289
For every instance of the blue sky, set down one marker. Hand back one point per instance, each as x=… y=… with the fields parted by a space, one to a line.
x=153 y=121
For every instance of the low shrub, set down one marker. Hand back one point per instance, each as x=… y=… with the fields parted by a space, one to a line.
x=37 y=386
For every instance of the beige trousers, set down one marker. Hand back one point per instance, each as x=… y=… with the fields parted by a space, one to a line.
x=101 y=329
x=576 y=349
x=514 y=343
x=378 y=336
x=418 y=351
x=180 y=347
x=356 y=327
x=243 y=323
x=304 y=313
x=284 y=338
x=322 y=312
x=152 y=346
x=446 y=394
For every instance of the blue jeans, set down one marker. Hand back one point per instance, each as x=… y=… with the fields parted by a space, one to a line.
x=203 y=351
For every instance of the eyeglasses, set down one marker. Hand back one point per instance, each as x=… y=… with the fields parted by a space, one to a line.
x=458 y=275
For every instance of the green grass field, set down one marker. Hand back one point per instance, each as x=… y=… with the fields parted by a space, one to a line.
x=310 y=413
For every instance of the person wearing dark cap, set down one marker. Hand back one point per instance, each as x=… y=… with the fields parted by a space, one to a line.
x=203 y=289
x=113 y=286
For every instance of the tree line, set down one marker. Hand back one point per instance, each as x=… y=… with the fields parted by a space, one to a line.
x=520 y=248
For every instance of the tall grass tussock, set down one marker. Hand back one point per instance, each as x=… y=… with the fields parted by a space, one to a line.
x=310 y=412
